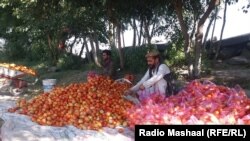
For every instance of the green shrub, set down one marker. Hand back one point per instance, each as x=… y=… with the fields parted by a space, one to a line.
x=174 y=56
x=38 y=51
x=14 y=51
x=67 y=61
x=135 y=59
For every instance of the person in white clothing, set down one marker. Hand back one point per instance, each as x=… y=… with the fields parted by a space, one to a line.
x=153 y=81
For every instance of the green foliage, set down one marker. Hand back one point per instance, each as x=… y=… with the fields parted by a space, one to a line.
x=37 y=52
x=67 y=61
x=115 y=58
x=175 y=57
x=91 y=66
x=31 y=26
x=14 y=51
x=135 y=59
x=3 y=57
x=206 y=65
x=150 y=47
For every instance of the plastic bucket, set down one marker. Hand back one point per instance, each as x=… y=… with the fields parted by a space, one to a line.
x=48 y=84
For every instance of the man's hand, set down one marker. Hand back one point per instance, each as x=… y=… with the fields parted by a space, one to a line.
x=142 y=87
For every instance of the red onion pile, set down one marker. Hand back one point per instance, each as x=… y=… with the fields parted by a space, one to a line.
x=198 y=103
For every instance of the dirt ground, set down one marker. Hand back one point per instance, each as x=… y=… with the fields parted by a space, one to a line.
x=234 y=77
x=230 y=75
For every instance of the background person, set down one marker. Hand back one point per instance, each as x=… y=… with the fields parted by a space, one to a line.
x=107 y=64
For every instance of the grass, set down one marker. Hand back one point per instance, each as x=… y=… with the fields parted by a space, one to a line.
x=63 y=78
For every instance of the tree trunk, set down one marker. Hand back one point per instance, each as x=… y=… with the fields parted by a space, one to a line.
x=211 y=50
x=192 y=44
x=184 y=29
x=207 y=31
x=123 y=40
x=119 y=46
x=134 y=31
x=222 y=31
x=96 y=42
x=216 y=13
x=191 y=36
x=87 y=50
x=94 y=52
x=114 y=36
x=50 y=46
x=152 y=32
x=71 y=45
x=111 y=35
x=140 y=33
x=146 y=31
x=198 y=44
x=81 y=51
x=143 y=41
x=199 y=36
x=52 y=50
x=178 y=8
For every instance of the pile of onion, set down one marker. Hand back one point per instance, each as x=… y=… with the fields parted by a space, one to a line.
x=92 y=105
x=197 y=103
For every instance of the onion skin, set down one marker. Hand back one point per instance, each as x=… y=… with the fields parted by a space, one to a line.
x=198 y=103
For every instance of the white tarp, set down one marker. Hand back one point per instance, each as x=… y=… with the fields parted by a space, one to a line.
x=19 y=127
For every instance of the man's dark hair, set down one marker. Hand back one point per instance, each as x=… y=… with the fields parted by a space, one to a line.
x=108 y=52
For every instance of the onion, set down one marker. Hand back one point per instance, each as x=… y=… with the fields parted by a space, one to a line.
x=198 y=103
